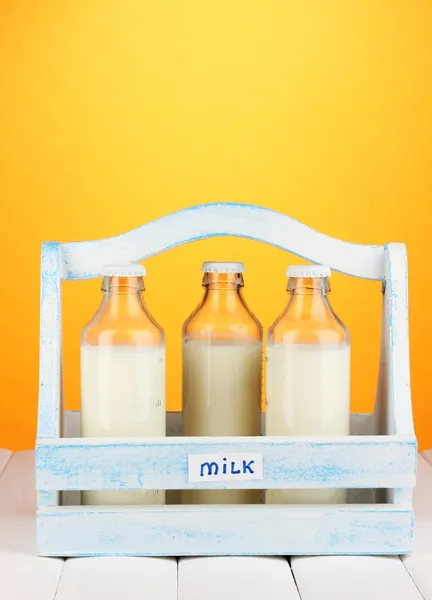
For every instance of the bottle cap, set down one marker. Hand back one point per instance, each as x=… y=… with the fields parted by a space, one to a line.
x=308 y=271
x=223 y=267
x=123 y=270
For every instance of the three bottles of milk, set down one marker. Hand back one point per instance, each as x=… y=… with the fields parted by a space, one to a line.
x=307 y=372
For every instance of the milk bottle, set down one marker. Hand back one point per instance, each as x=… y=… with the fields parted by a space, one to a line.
x=222 y=368
x=123 y=373
x=308 y=373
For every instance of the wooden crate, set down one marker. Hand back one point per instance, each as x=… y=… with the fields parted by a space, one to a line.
x=377 y=462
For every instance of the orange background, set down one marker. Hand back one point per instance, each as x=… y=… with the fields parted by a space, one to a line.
x=115 y=113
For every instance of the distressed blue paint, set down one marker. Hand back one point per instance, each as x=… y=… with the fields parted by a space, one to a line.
x=262 y=530
x=225 y=219
x=49 y=403
x=162 y=463
x=50 y=342
x=399 y=376
x=48 y=498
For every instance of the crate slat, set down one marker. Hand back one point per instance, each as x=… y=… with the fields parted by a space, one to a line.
x=227 y=530
x=162 y=463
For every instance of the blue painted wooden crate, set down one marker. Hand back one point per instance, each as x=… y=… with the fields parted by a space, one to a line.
x=377 y=462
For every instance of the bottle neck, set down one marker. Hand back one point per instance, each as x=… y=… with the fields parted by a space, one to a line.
x=223 y=290
x=223 y=281
x=123 y=296
x=308 y=297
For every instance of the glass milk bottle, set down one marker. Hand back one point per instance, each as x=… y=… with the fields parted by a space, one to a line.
x=222 y=366
x=123 y=373
x=308 y=373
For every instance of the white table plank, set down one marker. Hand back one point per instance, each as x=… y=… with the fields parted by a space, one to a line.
x=235 y=578
x=422 y=496
x=419 y=566
x=422 y=501
x=353 y=577
x=111 y=578
x=5 y=456
x=17 y=486
x=24 y=575
x=419 y=563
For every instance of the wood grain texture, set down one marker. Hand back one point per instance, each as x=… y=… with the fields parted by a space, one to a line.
x=162 y=463
x=353 y=578
x=236 y=578
x=85 y=259
x=23 y=575
x=128 y=578
x=224 y=530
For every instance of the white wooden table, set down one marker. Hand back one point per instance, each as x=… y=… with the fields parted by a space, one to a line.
x=24 y=576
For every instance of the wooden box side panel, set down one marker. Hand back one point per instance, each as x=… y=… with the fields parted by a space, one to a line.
x=49 y=405
x=162 y=463
x=50 y=353
x=182 y=531
x=398 y=373
x=393 y=405
x=393 y=408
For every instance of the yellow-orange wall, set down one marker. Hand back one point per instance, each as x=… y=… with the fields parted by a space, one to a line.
x=115 y=113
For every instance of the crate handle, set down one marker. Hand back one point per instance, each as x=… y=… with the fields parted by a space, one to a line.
x=83 y=260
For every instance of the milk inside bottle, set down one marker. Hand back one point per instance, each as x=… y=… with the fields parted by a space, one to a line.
x=222 y=369
x=123 y=373
x=308 y=373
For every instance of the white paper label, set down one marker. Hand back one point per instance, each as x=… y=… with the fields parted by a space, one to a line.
x=225 y=467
